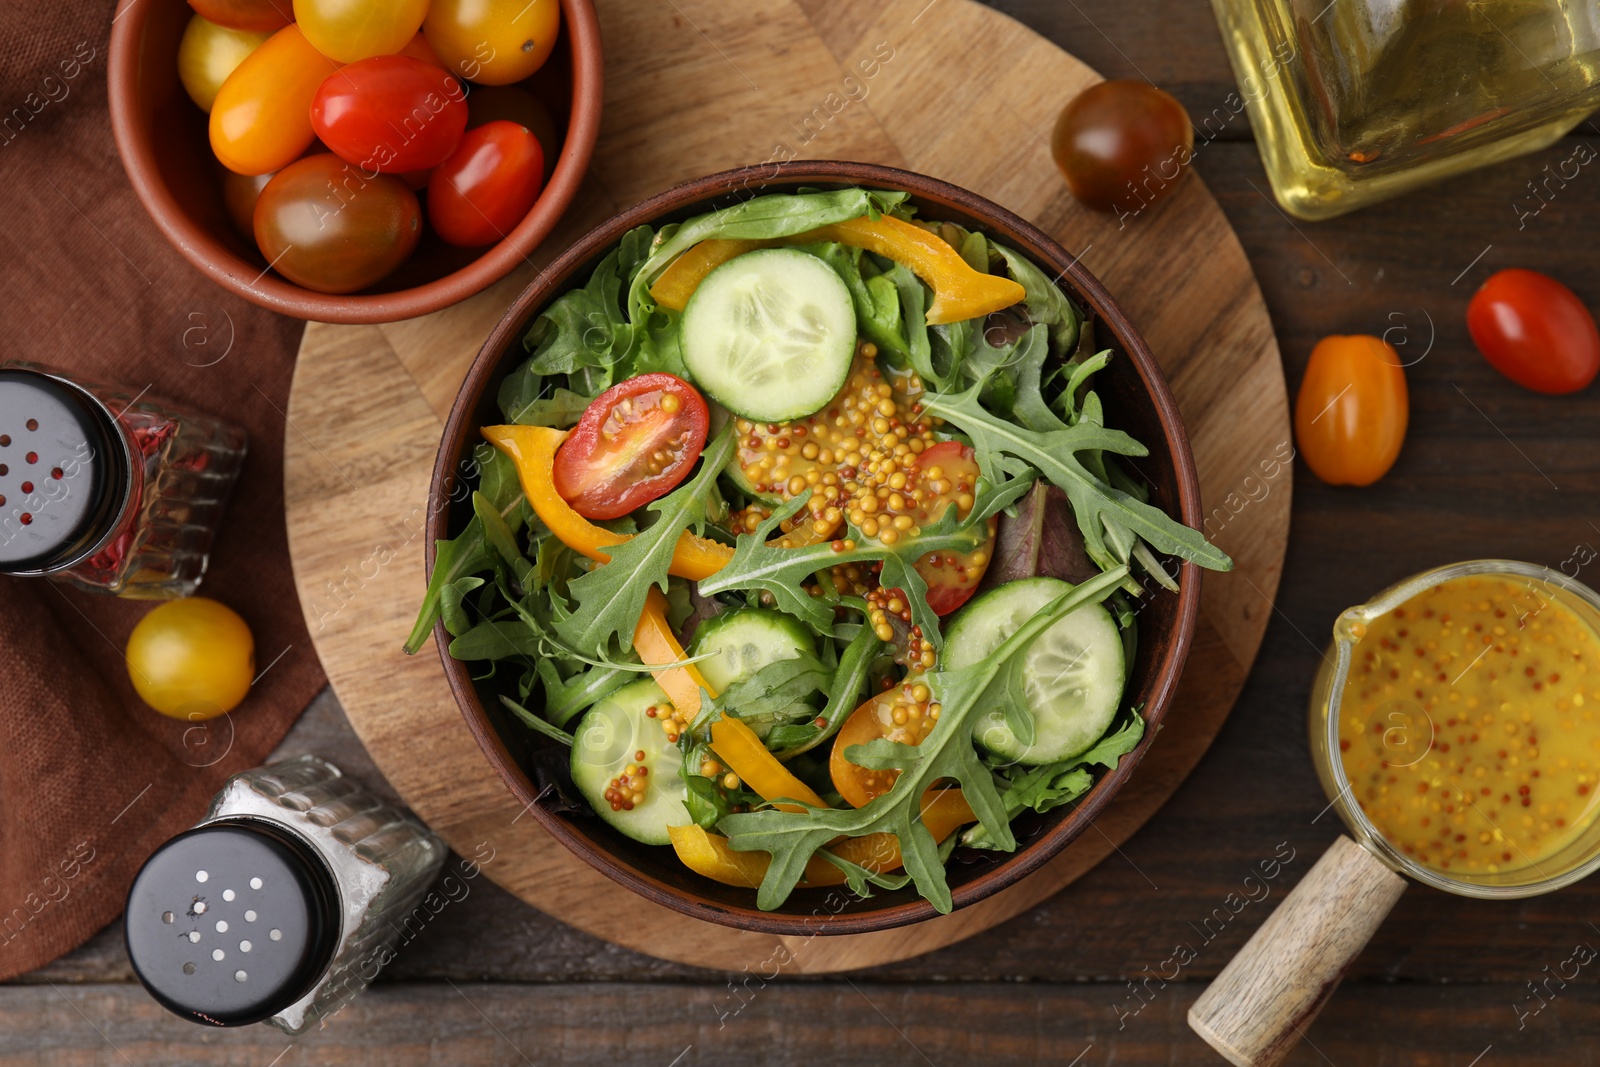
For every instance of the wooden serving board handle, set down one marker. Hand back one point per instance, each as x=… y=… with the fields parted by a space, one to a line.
x=1267 y=995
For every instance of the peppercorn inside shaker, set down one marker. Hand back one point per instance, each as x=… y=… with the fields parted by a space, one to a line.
x=105 y=490
x=281 y=904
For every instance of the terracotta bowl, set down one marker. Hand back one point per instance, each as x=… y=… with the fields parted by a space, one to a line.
x=166 y=151
x=1136 y=400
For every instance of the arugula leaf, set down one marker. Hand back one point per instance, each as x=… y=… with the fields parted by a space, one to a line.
x=773 y=215
x=536 y=724
x=859 y=879
x=1003 y=446
x=1054 y=784
x=776 y=693
x=793 y=837
x=845 y=691
x=877 y=305
x=757 y=565
x=608 y=600
x=1045 y=301
x=496 y=639
x=565 y=698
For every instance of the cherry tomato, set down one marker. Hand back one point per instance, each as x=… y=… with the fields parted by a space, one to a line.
x=1123 y=145
x=948 y=472
x=419 y=48
x=480 y=194
x=191 y=659
x=262 y=16
x=261 y=120
x=489 y=103
x=392 y=114
x=635 y=442
x=327 y=225
x=239 y=195
x=348 y=30
x=209 y=53
x=1350 y=415
x=896 y=714
x=1535 y=331
x=493 y=42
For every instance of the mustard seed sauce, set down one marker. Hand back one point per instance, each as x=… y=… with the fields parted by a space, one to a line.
x=1468 y=727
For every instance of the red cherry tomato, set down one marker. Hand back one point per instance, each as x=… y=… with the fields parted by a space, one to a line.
x=636 y=441
x=257 y=15
x=1123 y=145
x=490 y=103
x=1535 y=331
x=948 y=473
x=392 y=114
x=480 y=194
x=328 y=226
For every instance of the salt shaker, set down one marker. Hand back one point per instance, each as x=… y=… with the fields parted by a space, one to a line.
x=279 y=906
x=107 y=490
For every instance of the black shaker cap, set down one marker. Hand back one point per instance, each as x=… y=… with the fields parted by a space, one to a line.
x=64 y=472
x=232 y=922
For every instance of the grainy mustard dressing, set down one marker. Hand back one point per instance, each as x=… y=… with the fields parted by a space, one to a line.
x=1468 y=725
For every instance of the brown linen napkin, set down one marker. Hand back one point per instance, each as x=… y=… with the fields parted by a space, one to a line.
x=91 y=780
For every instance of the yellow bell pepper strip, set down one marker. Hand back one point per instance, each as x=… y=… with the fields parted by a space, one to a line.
x=959 y=291
x=734 y=743
x=533 y=450
x=679 y=281
x=710 y=855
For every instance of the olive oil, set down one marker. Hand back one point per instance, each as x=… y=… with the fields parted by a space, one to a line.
x=1355 y=101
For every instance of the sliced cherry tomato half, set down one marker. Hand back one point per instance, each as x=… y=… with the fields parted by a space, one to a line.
x=1535 y=331
x=948 y=474
x=327 y=225
x=1350 y=415
x=634 y=443
x=901 y=714
x=391 y=114
x=480 y=194
x=259 y=16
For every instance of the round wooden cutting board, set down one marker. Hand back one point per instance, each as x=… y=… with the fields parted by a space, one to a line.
x=947 y=88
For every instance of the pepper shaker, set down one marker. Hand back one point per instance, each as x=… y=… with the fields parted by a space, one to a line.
x=279 y=905
x=106 y=490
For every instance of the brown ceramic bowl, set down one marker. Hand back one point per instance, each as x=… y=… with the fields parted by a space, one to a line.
x=1136 y=400
x=165 y=148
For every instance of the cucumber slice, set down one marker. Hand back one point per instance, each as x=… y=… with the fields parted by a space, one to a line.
x=770 y=334
x=609 y=738
x=1072 y=673
x=745 y=641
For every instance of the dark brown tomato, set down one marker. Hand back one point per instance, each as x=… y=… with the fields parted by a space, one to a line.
x=329 y=226
x=1123 y=145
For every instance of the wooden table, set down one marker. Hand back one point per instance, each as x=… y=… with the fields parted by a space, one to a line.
x=1488 y=470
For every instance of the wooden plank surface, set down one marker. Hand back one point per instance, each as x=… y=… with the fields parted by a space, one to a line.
x=366 y=398
x=1443 y=979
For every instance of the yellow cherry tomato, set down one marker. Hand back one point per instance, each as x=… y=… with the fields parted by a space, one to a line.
x=209 y=53
x=191 y=659
x=493 y=42
x=1350 y=416
x=261 y=120
x=348 y=30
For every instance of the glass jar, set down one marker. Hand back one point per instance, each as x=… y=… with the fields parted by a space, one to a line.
x=281 y=904
x=107 y=490
x=1355 y=101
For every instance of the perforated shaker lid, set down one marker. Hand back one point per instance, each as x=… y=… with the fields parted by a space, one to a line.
x=231 y=922
x=64 y=472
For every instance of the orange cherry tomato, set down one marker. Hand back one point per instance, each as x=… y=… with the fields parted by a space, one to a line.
x=948 y=473
x=1535 y=331
x=327 y=225
x=260 y=16
x=261 y=120
x=1122 y=145
x=348 y=30
x=896 y=714
x=1350 y=416
x=493 y=42
x=419 y=48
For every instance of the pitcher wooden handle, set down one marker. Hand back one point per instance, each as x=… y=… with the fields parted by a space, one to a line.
x=1267 y=995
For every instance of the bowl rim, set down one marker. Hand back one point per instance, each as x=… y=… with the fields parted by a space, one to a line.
x=235 y=274
x=590 y=247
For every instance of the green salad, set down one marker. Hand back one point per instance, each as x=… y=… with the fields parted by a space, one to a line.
x=805 y=534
